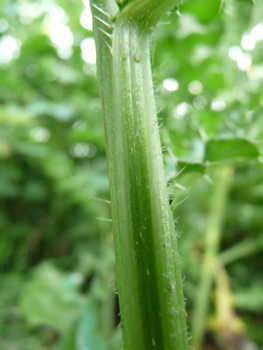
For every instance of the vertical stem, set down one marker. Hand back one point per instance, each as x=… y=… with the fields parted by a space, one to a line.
x=147 y=262
x=212 y=241
x=148 y=267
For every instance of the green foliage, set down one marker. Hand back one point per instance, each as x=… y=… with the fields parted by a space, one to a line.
x=52 y=162
x=48 y=299
x=250 y=299
x=220 y=150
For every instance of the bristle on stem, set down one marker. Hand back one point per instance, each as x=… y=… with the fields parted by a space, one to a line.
x=104 y=219
x=109 y=47
x=110 y=26
x=102 y=200
x=101 y=10
x=110 y=36
x=179 y=14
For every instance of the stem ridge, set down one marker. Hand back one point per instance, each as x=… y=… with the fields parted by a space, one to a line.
x=147 y=262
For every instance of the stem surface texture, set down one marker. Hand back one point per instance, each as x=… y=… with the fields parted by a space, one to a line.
x=147 y=262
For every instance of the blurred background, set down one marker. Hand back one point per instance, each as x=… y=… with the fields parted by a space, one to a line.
x=58 y=284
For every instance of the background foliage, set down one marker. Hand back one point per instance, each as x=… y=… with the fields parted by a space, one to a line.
x=58 y=287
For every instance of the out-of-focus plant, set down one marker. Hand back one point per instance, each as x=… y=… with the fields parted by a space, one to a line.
x=208 y=80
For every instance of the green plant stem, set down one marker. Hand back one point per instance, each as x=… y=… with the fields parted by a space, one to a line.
x=147 y=262
x=212 y=241
x=147 y=13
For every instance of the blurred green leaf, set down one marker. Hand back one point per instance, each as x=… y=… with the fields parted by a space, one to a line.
x=7 y=189
x=191 y=167
x=35 y=191
x=225 y=149
x=88 y=333
x=69 y=341
x=251 y=298
x=15 y=115
x=242 y=249
x=61 y=112
x=32 y=149
x=45 y=302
